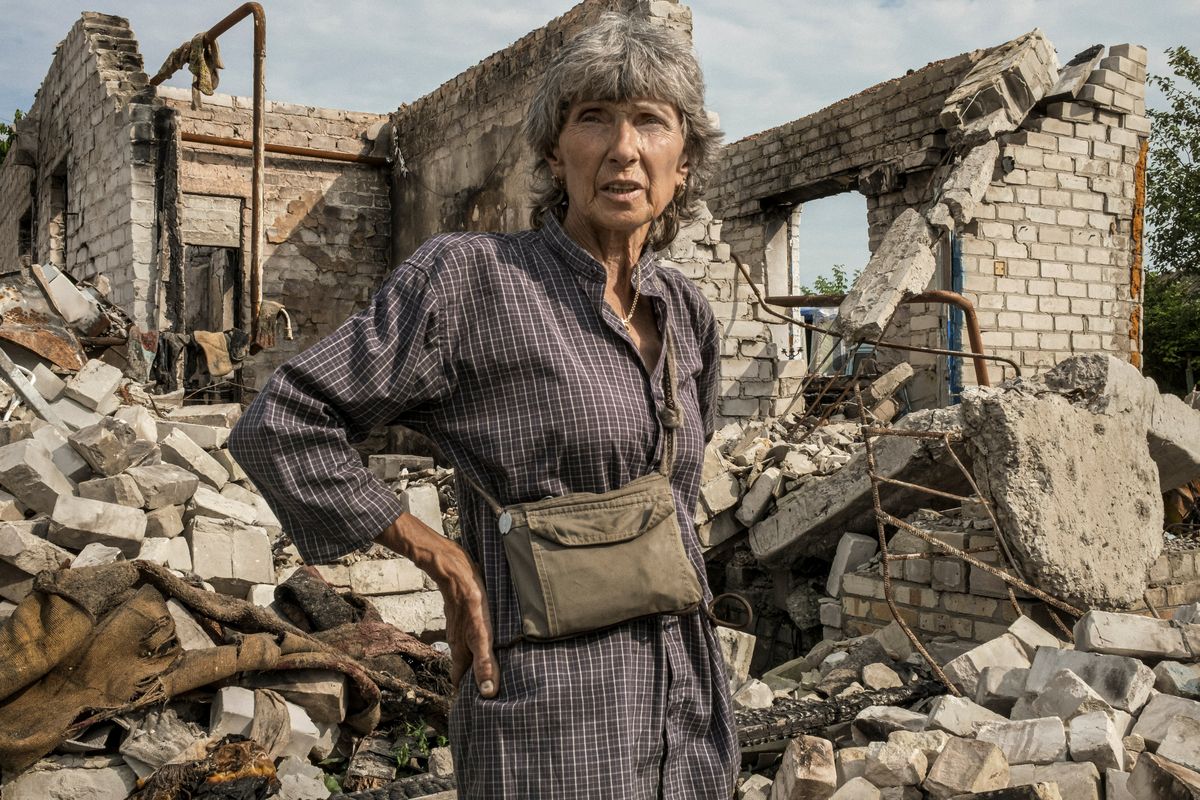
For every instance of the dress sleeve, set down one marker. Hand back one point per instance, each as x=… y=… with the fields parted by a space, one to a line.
x=294 y=439
x=708 y=383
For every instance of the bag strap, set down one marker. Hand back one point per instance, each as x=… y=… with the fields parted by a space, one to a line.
x=671 y=418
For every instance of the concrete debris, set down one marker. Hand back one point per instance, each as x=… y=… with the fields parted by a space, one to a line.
x=965 y=187
x=902 y=264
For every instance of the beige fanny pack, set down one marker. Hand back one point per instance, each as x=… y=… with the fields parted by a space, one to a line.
x=586 y=561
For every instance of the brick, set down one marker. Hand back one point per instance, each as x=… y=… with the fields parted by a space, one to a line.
x=76 y=522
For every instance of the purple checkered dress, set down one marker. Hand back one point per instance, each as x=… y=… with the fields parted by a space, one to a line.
x=502 y=350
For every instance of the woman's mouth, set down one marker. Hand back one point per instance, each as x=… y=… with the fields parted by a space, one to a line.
x=621 y=190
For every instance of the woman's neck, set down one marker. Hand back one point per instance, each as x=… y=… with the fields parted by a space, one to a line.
x=618 y=251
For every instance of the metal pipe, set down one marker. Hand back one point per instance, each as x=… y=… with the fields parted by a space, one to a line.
x=284 y=149
x=258 y=144
x=931 y=296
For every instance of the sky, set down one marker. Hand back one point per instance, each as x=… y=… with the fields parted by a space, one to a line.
x=765 y=61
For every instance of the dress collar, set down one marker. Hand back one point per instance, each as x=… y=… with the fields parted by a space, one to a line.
x=583 y=262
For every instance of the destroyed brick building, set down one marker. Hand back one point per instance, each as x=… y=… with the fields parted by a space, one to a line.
x=973 y=599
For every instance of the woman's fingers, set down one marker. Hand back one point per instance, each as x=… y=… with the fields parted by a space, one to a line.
x=487 y=672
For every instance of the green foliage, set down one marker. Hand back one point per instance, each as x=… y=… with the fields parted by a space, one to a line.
x=839 y=283
x=1173 y=171
x=1171 y=334
x=8 y=134
x=414 y=742
x=1171 y=293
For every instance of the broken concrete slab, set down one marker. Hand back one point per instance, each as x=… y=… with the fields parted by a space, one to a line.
x=421 y=500
x=1003 y=651
x=1095 y=738
x=76 y=522
x=1159 y=713
x=170 y=552
x=1124 y=683
x=853 y=550
x=230 y=555
x=206 y=502
x=93 y=384
x=1029 y=450
x=164 y=484
x=120 y=489
x=1000 y=90
x=810 y=522
x=1075 y=781
x=29 y=473
x=105 y=446
x=902 y=264
x=963 y=190
x=181 y=451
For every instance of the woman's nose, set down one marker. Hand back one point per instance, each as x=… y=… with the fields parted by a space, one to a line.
x=623 y=148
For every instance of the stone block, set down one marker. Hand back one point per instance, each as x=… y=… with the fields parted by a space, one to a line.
x=1032 y=636
x=1076 y=781
x=421 y=500
x=902 y=263
x=208 y=503
x=754 y=504
x=120 y=489
x=737 y=647
x=1170 y=677
x=1156 y=778
x=93 y=385
x=164 y=484
x=1116 y=785
x=74 y=415
x=181 y=451
x=144 y=424
x=226 y=460
x=1130 y=635
x=76 y=522
x=105 y=446
x=322 y=693
x=1030 y=449
x=895 y=763
x=877 y=723
x=48 y=385
x=62 y=453
x=22 y=544
x=1174 y=439
x=857 y=789
x=230 y=555
x=15 y=583
x=221 y=415
x=386 y=576
x=1032 y=741
x=753 y=694
x=1122 y=682
x=209 y=437
x=29 y=473
x=998 y=688
x=851 y=763
x=170 y=552
x=1004 y=651
x=966 y=766
x=191 y=636
x=96 y=554
x=1181 y=742
x=1095 y=738
x=415 y=613
x=1159 y=713
x=1065 y=695
x=959 y=716
x=165 y=522
x=72 y=783
x=807 y=770
x=10 y=508
x=853 y=550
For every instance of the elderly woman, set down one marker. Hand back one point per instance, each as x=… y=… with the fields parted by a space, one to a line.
x=538 y=362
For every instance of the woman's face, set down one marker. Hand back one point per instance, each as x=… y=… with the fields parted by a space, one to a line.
x=622 y=162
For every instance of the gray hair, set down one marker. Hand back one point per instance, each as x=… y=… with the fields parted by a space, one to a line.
x=621 y=58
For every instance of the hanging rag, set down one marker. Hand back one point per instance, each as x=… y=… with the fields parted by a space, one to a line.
x=204 y=61
x=269 y=314
x=215 y=347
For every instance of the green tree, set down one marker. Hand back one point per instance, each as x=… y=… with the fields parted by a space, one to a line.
x=838 y=283
x=1171 y=293
x=8 y=134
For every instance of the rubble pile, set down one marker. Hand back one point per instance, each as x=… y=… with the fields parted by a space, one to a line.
x=134 y=509
x=1116 y=716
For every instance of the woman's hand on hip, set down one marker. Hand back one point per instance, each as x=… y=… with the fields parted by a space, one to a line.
x=468 y=623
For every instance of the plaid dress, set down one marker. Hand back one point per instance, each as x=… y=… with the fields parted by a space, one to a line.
x=501 y=349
